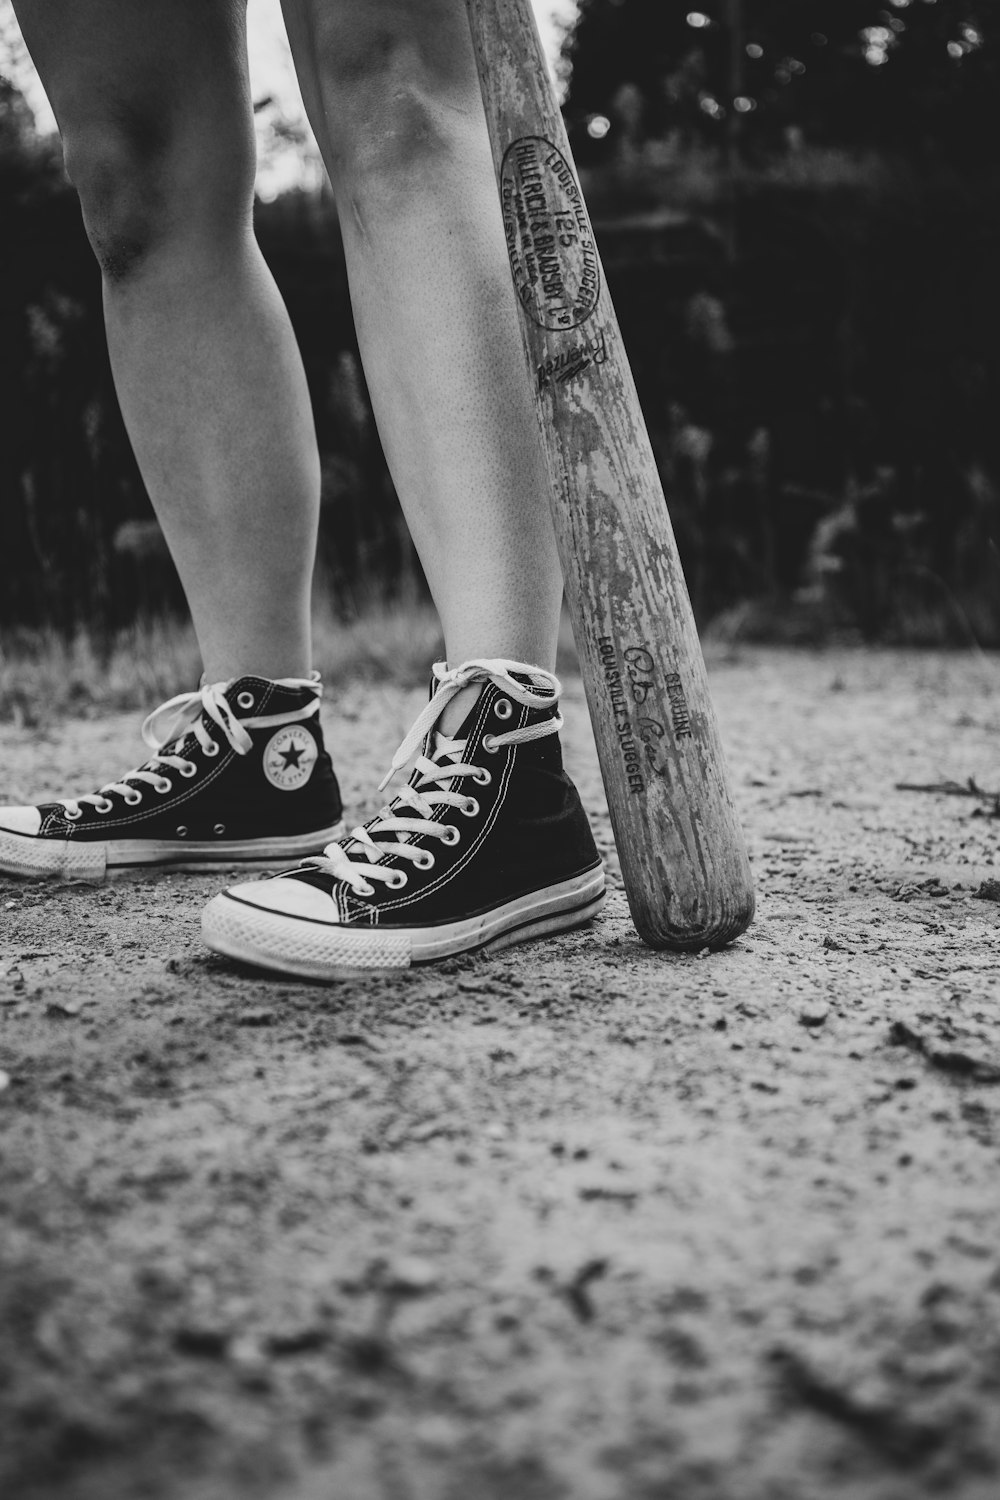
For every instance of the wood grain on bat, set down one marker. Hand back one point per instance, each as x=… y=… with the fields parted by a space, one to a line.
x=683 y=856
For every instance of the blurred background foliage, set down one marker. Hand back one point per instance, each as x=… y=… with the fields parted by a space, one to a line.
x=798 y=204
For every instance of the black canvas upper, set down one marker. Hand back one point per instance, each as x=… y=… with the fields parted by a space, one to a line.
x=230 y=796
x=530 y=830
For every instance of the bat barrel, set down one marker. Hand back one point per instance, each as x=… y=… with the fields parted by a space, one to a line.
x=683 y=856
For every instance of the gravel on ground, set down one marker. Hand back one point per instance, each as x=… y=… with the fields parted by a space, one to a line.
x=578 y=1221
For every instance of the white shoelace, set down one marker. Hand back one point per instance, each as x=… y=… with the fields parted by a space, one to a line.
x=436 y=776
x=166 y=728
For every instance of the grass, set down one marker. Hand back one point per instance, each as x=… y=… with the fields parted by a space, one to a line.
x=46 y=676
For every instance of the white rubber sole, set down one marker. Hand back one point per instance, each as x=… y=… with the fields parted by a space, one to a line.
x=65 y=859
x=325 y=950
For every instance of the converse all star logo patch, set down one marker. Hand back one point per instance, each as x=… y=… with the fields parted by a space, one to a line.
x=289 y=757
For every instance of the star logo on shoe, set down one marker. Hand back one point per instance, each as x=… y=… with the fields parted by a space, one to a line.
x=289 y=757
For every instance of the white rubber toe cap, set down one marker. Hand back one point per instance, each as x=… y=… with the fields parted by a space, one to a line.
x=24 y=820
x=289 y=898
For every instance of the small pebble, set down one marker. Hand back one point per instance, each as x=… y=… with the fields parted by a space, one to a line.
x=409 y=1276
x=247 y=1357
x=64 y=1007
x=255 y=1018
x=813 y=1015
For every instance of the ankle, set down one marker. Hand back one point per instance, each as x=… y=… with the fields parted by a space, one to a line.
x=455 y=712
x=220 y=672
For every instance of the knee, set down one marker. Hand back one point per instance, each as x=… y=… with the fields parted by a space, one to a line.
x=119 y=179
x=143 y=187
x=398 y=86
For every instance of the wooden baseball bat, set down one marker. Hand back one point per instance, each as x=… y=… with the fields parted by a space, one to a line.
x=683 y=857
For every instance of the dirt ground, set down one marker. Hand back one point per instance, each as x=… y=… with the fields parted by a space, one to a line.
x=580 y=1220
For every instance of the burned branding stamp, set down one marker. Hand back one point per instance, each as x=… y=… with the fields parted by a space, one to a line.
x=632 y=687
x=569 y=363
x=553 y=257
x=615 y=684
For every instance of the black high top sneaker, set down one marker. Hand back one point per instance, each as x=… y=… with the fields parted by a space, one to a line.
x=239 y=776
x=487 y=846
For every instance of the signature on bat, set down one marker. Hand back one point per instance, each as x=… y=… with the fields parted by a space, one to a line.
x=639 y=735
x=641 y=668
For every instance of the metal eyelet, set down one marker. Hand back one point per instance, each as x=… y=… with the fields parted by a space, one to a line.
x=72 y=817
x=245 y=700
x=425 y=862
x=133 y=801
x=108 y=806
x=489 y=744
x=181 y=831
x=469 y=808
x=212 y=749
x=189 y=769
x=364 y=890
x=164 y=785
x=219 y=828
x=502 y=708
x=482 y=777
x=399 y=879
x=451 y=838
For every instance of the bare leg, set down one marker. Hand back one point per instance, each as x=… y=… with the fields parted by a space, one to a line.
x=153 y=104
x=392 y=92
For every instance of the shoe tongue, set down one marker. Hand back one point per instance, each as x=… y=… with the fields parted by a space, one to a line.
x=446 y=747
x=464 y=730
